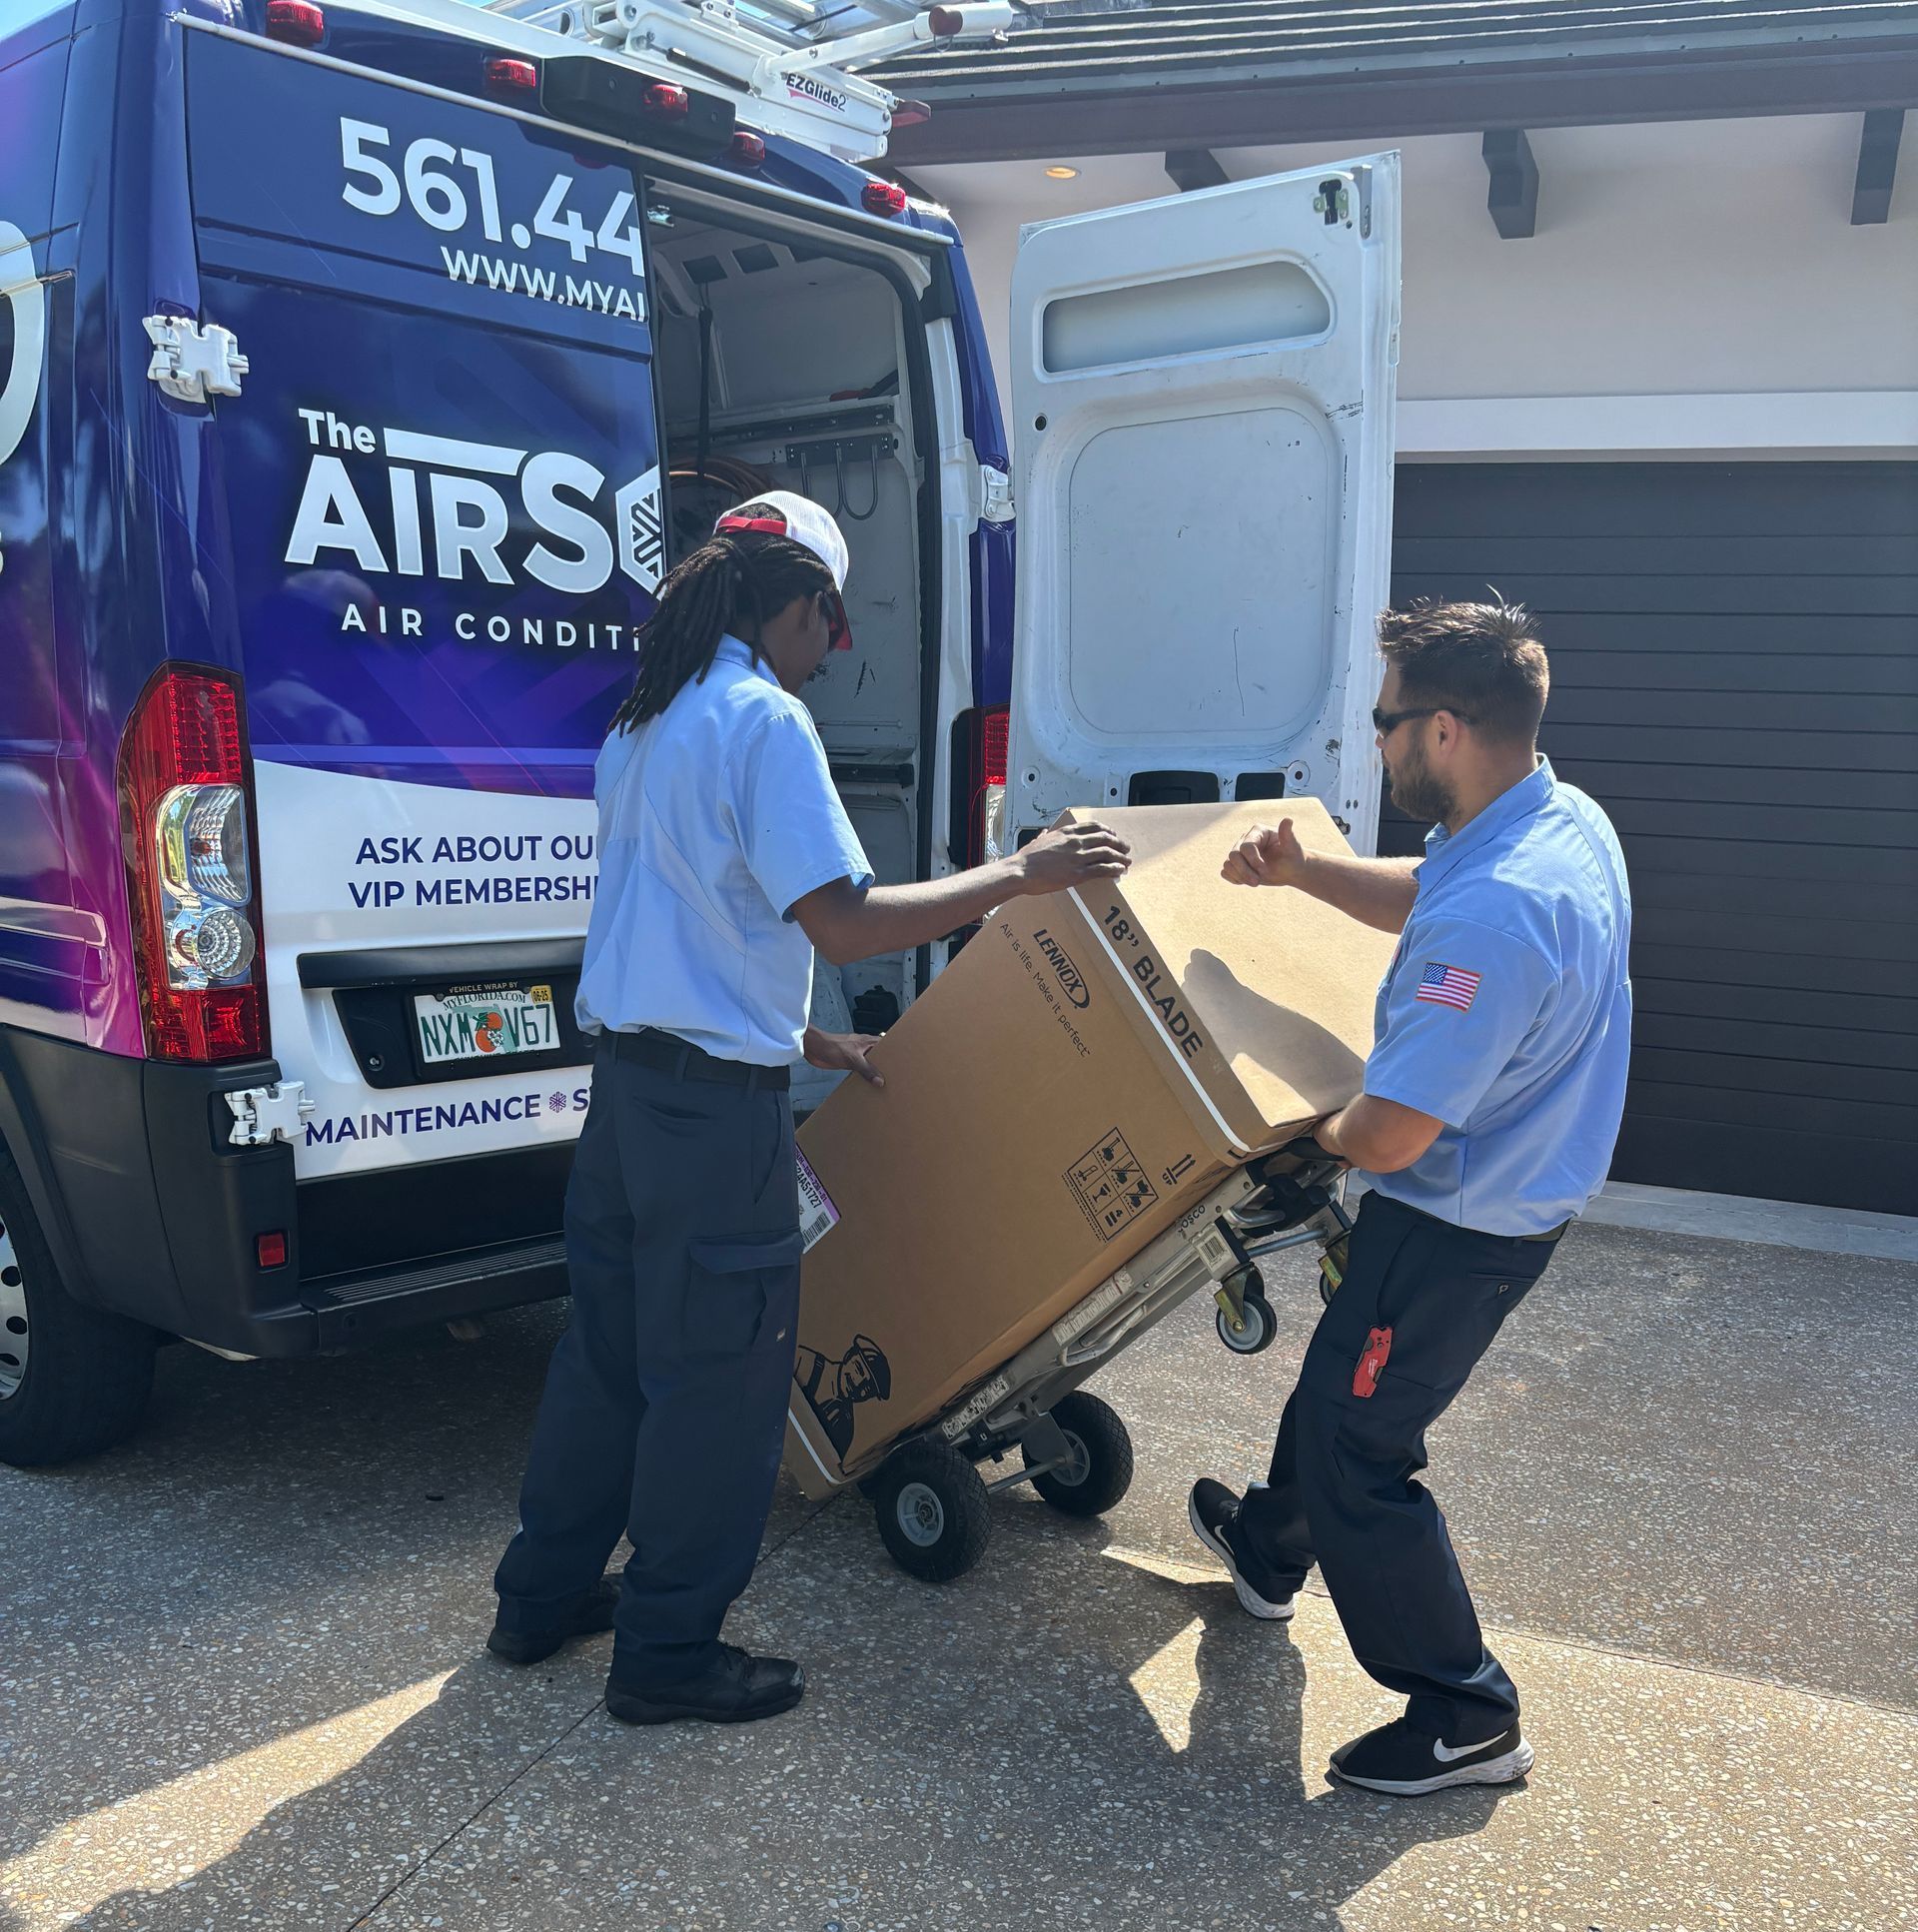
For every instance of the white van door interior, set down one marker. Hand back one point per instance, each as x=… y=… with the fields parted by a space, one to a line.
x=1203 y=398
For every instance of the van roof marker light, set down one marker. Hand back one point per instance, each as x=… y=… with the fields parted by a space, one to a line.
x=884 y=198
x=298 y=22
x=507 y=75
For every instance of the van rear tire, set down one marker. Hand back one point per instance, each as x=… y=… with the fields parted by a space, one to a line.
x=73 y=1381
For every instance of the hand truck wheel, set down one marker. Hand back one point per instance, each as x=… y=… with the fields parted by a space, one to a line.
x=933 y=1513
x=1099 y=1472
x=1257 y=1331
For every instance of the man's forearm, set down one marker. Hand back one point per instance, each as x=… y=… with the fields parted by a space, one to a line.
x=896 y=918
x=1376 y=892
x=1378 y=1135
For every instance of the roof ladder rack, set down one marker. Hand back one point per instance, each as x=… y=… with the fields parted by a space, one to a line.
x=786 y=71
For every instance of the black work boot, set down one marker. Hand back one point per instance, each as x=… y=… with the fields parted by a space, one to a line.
x=735 y=1689
x=591 y=1615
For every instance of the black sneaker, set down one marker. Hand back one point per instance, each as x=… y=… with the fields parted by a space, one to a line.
x=1407 y=1763
x=1214 y=1515
x=592 y=1616
x=735 y=1690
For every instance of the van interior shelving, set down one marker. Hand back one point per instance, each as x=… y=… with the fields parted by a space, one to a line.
x=785 y=366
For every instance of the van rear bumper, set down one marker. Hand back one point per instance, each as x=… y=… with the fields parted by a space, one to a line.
x=153 y=1214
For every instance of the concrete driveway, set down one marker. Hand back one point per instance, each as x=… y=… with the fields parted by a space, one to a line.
x=242 y=1681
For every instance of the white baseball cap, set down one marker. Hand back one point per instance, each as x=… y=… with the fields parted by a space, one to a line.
x=783 y=513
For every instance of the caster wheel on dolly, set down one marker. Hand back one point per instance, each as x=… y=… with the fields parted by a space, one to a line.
x=934 y=1518
x=1261 y=1325
x=1100 y=1471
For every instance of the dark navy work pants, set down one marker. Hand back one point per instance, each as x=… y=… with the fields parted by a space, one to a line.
x=664 y=1408
x=1421 y=1301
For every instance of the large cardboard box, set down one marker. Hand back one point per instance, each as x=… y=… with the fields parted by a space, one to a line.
x=1082 y=1074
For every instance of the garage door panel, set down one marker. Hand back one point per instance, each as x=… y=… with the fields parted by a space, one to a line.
x=1837 y=671
x=1861 y=1015
x=1657 y=500
x=1819 y=900
x=1824 y=1164
x=1737 y=1033
x=1682 y=785
x=1785 y=863
x=1704 y=712
x=1802 y=826
x=1629 y=597
x=1683 y=1099
x=1766 y=634
x=1716 y=971
x=1797 y=825
x=1745 y=558
x=1757 y=750
x=1735 y=679
x=1733 y=933
x=1886 y=1091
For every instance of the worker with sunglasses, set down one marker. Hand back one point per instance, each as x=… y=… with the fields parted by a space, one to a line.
x=725 y=859
x=1491 y=1102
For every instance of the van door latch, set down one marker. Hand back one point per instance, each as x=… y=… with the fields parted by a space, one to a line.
x=263 y=1113
x=192 y=361
x=998 y=503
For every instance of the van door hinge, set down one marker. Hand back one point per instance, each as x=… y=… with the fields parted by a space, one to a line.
x=194 y=361
x=1334 y=202
x=263 y=1113
x=998 y=503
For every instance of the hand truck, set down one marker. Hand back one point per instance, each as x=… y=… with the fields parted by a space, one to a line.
x=928 y=1490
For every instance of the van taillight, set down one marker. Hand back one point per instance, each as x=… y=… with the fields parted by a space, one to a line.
x=184 y=805
x=979 y=784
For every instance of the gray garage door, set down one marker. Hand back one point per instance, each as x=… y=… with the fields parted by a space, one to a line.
x=1734 y=662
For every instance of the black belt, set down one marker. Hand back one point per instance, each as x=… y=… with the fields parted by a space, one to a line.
x=1551 y=1234
x=668 y=1053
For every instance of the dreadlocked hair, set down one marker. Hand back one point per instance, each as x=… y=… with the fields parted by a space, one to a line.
x=733 y=582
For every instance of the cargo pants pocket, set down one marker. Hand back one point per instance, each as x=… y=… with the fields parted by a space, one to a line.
x=742 y=1295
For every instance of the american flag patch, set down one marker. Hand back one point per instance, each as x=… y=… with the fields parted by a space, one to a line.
x=1448 y=985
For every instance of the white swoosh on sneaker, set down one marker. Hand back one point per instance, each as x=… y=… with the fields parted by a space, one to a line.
x=1446 y=1754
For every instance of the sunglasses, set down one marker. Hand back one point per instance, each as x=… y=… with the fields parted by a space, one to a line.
x=1386 y=722
x=838 y=630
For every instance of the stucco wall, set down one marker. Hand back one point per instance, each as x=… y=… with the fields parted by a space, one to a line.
x=1713 y=262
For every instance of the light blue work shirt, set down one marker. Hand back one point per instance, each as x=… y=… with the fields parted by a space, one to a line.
x=715 y=818
x=1507 y=1012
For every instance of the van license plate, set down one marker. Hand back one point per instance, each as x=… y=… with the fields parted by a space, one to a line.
x=485 y=1022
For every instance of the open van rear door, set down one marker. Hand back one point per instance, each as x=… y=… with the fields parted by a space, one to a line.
x=1202 y=393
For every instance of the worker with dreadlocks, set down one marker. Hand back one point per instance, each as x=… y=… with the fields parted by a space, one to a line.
x=725 y=859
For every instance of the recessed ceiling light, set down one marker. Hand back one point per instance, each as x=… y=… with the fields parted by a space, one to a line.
x=1062 y=174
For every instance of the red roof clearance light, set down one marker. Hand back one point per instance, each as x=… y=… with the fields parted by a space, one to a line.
x=748 y=150
x=884 y=198
x=506 y=75
x=297 y=22
x=669 y=101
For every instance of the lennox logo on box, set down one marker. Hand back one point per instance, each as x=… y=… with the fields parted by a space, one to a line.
x=1070 y=982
